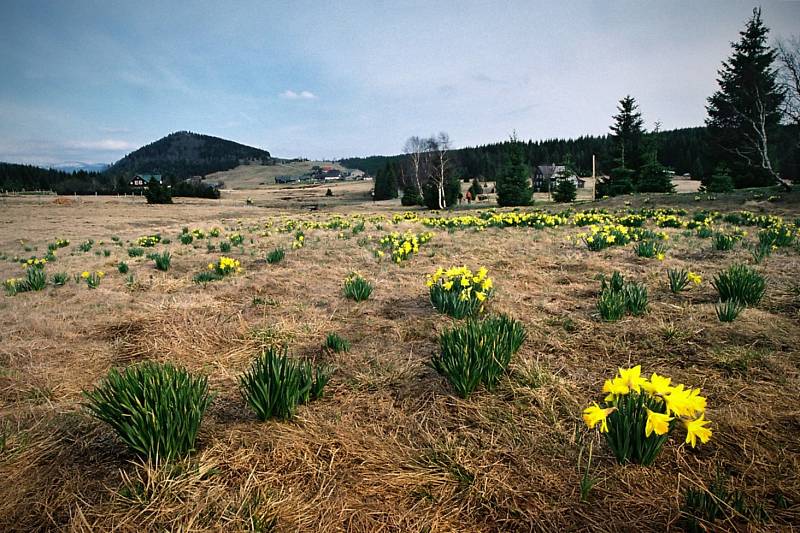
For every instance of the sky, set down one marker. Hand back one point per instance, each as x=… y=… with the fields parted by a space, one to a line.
x=91 y=81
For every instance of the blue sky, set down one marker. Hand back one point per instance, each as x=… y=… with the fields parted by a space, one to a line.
x=93 y=80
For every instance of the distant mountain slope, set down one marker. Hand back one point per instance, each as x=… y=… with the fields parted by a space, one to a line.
x=183 y=154
x=257 y=176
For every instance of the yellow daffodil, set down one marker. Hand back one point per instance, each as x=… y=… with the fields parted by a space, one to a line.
x=631 y=377
x=595 y=414
x=614 y=388
x=696 y=429
x=657 y=385
x=657 y=422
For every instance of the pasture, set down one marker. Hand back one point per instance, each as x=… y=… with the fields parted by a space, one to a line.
x=390 y=446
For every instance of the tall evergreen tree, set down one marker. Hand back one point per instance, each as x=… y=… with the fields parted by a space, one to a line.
x=386 y=182
x=743 y=115
x=627 y=133
x=513 y=183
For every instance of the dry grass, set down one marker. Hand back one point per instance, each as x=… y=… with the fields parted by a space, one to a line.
x=390 y=448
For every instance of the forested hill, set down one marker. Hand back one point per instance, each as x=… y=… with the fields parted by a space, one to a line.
x=184 y=154
x=684 y=150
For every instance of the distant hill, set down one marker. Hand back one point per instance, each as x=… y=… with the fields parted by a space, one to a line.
x=75 y=166
x=184 y=154
x=257 y=176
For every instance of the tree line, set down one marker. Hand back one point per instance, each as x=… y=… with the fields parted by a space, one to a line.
x=751 y=138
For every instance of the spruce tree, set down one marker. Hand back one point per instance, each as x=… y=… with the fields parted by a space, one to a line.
x=476 y=188
x=156 y=193
x=386 y=182
x=627 y=133
x=743 y=115
x=720 y=180
x=513 y=183
x=565 y=191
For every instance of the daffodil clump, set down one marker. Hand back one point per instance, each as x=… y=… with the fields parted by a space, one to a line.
x=593 y=218
x=299 y=240
x=147 y=241
x=34 y=262
x=669 y=221
x=604 y=236
x=35 y=280
x=638 y=415
x=408 y=215
x=92 y=279
x=225 y=266
x=402 y=247
x=458 y=292
x=236 y=239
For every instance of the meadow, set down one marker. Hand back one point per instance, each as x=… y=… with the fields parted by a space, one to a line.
x=394 y=442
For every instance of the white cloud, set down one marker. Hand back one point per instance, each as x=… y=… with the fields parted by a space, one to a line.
x=302 y=95
x=106 y=145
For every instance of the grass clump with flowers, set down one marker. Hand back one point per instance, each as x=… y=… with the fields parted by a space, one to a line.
x=458 y=292
x=92 y=279
x=680 y=279
x=148 y=241
x=638 y=415
x=402 y=247
x=356 y=288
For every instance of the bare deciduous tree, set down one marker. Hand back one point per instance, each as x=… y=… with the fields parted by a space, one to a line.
x=416 y=148
x=438 y=147
x=789 y=77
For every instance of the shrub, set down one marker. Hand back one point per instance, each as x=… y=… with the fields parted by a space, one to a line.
x=458 y=292
x=336 y=344
x=638 y=415
x=478 y=352
x=741 y=283
x=122 y=267
x=60 y=279
x=276 y=256
x=275 y=385
x=728 y=311
x=154 y=408
x=135 y=252
x=356 y=288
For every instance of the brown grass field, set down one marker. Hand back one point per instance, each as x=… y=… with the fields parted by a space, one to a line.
x=390 y=447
